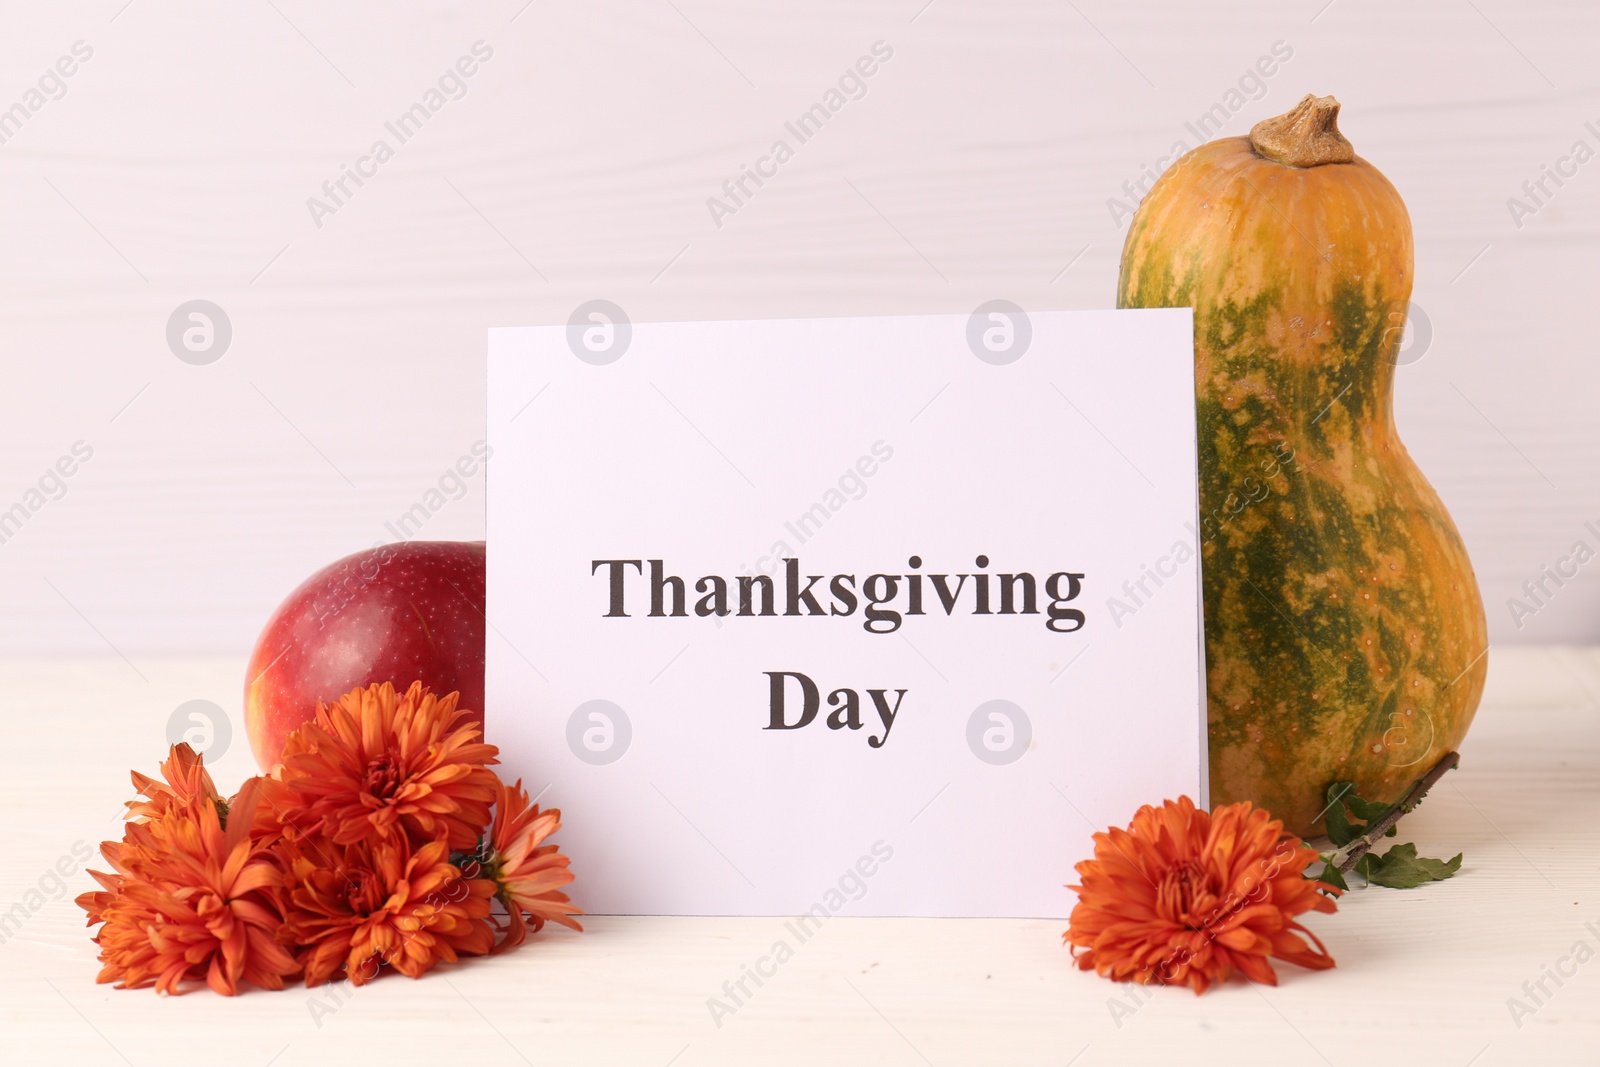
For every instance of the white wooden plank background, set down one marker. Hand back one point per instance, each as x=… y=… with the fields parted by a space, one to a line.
x=978 y=165
x=1424 y=976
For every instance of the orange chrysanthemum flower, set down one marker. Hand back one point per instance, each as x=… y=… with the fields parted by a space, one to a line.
x=187 y=783
x=1183 y=897
x=190 y=900
x=527 y=873
x=377 y=764
x=355 y=907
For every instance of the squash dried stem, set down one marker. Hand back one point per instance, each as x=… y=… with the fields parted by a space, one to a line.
x=1307 y=135
x=1350 y=855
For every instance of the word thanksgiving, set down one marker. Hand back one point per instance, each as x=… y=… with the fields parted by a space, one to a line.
x=878 y=595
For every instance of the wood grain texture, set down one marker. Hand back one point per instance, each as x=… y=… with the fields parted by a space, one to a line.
x=984 y=160
x=1429 y=970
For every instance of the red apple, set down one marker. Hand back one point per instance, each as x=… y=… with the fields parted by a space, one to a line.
x=397 y=613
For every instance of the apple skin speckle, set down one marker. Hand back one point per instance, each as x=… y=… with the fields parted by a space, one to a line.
x=397 y=613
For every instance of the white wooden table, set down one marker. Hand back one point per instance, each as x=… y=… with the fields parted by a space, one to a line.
x=1424 y=976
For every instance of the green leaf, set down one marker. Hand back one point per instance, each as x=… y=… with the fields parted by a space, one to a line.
x=1369 y=813
x=1402 y=868
x=1331 y=876
x=1363 y=866
x=1343 y=803
x=1340 y=832
x=1347 y=818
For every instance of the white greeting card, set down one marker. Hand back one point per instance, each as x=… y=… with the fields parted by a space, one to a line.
x=874 y=616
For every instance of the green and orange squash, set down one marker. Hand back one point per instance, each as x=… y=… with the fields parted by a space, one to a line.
x=1344 y=632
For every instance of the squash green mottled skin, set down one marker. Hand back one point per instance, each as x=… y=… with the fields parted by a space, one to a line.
x=1345 y=635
